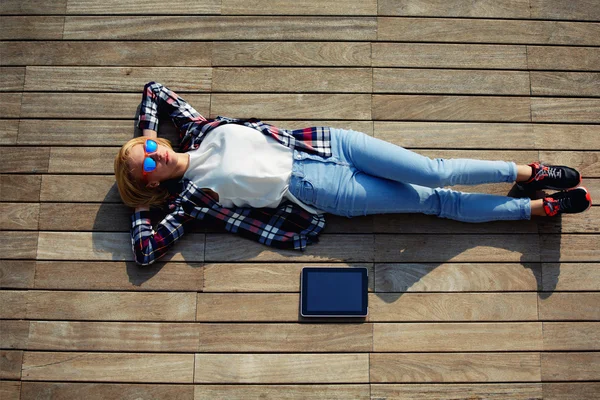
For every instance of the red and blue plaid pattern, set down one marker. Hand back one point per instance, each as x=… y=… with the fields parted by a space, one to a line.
x=286 y=227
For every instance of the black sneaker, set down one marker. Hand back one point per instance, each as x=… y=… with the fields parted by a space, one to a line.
x=551 y=177
x=569 y=202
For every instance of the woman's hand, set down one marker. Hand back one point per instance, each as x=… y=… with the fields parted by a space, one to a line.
x=149 y=133
x=142 y=208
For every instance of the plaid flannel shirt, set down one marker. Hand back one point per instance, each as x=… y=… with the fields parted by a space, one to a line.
x=286 y=227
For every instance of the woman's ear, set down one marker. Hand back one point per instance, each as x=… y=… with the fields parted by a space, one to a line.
x=153 y=184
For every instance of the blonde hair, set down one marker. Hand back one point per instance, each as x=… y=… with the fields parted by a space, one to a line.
x=134 y=192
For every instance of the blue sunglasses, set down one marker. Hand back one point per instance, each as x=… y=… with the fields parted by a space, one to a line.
x=150 y=147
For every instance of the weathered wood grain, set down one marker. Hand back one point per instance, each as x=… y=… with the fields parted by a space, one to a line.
x=286 y=392
x=111 y=306
x=449 y=56
x=84 y=217
x=457 y=277
x=10 y=105
x=19 y=216
x=568 y=336
x=420 y=223
x=108 y=367
x=281 y=106
x=282 y=368
x=82 y=188
x=24 y=159
x=8 y=7
x=563 y=58
x=306 y=7
x=440 y=8
x=19 y=245
x=102 y=53
x=569 y=247
x=566 y=137
x=14 y=334
x=118 y=276
x=333 y=248
x=221 y=28
x=396 y=307
x=513 y=391
x=113 y=336
x=484 y=31
x=570 y=366
x=30 y=28
x=459 y=248
x=75 y=132
x=10 y=390
x=565 y=84
x=12 y=79
x=555 y=9
x=305 y=54
x=10 y=364
x=584 y=110
x=17 y=301
x=266 y=277
x=434 y=81
x=455 y=367
x=570 y=306
x=9 y=130
x=571 y=391
x=451 y=108
x=116 y=79
x=99 y=391
x=213 y=307
x=20 y=187
x=143 y=7
x=571 y=276
x=587 y=222
x=295 y=80
x=586 y=162
x=421 y=337
x=17 y=274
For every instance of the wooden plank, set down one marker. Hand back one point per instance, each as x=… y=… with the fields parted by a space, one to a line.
x=104 y=246
x=480 y=56
x=221 y=28
x=457 y=277
x=563 y=58
x=556 y=9
x=10 y=390
x=266 y=277
x=169 y=276
x=75 y=132
x=567 y=247
x=305 y=54
x=217 y=307
x=33 y=7
x=513 y=391
x=295 y=80
x=19 y=245
x=113 y=336
x=116 y=79
x=17 y=301
x=571 y=110
x=14 y=334
x=111 y=306
x=568 y=336
x=10 y=105
x=24 y=159
x=573 y=277
x=108 y=367
x=17 y=274
x=30 y=28
x=456 y=248
x=394 y=307
x=10 y=364
x=275 y=106
x=99 y=391
x=485 y=31
x=433 y=81
x=586 y=162
x=455 y=367
x=84 y=217
x=457 y=337
x=20 y=187
x=570 y=366
x=420 y=223
x=19 y=216
x=9 y=130
x=565 y=84
x=571 y=391
x=587 y=222
x=82 y=188
x=566 y=137
x=294 y=338
x=102 y=53
x=451 y=108
x=570 y=306
x=287 y=392
x=332 y=248
x=282 y=368
x=11 y=79
x=307 y=7
x=440 y=8
x=143 y=7
x=104 y=105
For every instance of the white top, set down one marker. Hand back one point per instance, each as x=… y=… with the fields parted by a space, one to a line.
x=244 y=167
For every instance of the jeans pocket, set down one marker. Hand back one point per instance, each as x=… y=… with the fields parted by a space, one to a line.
x=307 y=192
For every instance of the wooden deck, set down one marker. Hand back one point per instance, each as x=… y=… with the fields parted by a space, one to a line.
x=507 y=310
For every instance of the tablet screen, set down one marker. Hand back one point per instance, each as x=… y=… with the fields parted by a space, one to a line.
x=334 y=291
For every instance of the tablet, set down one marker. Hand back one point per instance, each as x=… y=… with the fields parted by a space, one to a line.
x=334 y=292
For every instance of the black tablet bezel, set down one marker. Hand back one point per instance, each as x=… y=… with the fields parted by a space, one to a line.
x=332 y=313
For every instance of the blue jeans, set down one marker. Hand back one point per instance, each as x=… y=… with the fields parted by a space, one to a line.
x=366 y=175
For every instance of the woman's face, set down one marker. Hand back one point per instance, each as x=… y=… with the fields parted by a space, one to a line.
x=166 y=164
